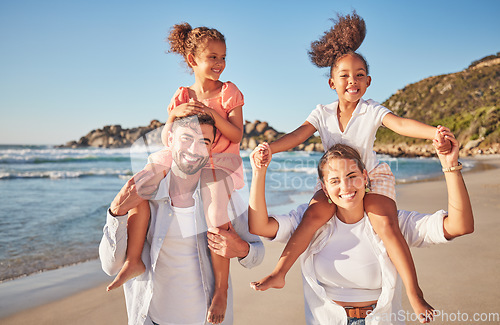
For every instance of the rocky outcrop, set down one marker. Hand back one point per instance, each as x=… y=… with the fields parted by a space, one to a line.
x=471 y=148
x=114 y=136
x=256 y=132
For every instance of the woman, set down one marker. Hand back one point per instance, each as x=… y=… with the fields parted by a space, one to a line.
x=348 y=276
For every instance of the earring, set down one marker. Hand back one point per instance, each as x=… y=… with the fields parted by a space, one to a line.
x=329 y=201
x=367 y=189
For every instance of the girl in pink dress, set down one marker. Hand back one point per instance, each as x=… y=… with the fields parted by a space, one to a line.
x=204 y=51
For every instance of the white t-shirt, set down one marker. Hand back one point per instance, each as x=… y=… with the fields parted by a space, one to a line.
x=360 y=131
x=347 y=266
x=419 y=230
x=178 y=296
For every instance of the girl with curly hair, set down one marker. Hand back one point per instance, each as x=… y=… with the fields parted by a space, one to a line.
x=353 y=121
x=204 y=52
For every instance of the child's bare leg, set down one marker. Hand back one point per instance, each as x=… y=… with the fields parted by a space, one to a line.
x=216 y=189
x=153 y=173
x=137 y=226
x=316 y=215
x=383 y=216
x=220 y=265
x=146 y=182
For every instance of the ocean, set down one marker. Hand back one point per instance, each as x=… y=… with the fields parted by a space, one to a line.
x=54 y=200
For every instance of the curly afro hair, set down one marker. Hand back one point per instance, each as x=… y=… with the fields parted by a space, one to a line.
x=185 y=40
x=344 y=38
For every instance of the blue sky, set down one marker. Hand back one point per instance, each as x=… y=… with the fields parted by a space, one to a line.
x=70 y=66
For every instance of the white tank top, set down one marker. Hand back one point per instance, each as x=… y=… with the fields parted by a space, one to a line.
x=347 y=266
x=178 y=296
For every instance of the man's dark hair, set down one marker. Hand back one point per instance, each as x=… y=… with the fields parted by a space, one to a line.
x=193 y=121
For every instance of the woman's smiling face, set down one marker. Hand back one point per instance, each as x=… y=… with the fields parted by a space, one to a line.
x=344 y=183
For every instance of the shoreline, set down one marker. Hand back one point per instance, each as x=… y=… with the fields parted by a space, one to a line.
x=81 y=288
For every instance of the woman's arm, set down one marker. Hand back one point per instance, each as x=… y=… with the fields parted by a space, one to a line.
x=259 y=222
x=409 y=127
x=460 y=219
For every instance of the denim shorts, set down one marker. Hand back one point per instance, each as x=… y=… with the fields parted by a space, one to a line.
x=355 y=321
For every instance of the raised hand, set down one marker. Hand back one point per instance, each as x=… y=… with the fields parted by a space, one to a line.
x=448 y=158
x=440 y=142
x=261 y=156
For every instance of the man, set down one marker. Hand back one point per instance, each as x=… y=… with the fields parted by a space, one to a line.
x=178 y=282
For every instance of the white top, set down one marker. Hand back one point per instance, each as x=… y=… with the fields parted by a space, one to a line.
x=418 y=229
x=360 y=131
x=178 y=270
x=347 y=266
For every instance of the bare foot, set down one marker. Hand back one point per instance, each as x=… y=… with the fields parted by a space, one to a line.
x=270 y=281
x=130 y=270
x=421 y=308
x=217 y=309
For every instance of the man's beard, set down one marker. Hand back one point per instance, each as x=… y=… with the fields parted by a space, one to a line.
x=185 y=166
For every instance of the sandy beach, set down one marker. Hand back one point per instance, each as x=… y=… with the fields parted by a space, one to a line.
x=459 y=279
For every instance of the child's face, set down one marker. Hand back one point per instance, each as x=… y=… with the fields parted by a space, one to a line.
x=350 y=79
x=211 y=61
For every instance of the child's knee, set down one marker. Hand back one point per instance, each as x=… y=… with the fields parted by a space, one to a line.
x=383 y=222
x=318 y=214
x=320 y=205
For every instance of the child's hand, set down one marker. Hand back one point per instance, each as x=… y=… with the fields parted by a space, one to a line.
x=449 y=158
x=264 y=155
x=440 y=142
x=261 y=156
x=190 y=108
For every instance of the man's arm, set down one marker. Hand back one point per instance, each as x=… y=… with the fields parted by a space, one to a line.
x=238 y=242
x=113 y=246
x=129 y=197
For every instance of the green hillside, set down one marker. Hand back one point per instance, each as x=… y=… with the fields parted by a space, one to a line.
x=467 y=102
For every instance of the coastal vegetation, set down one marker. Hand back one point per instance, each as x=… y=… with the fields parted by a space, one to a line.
x=467 y=102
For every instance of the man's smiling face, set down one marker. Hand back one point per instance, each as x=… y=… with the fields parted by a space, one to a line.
x=191 y=146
